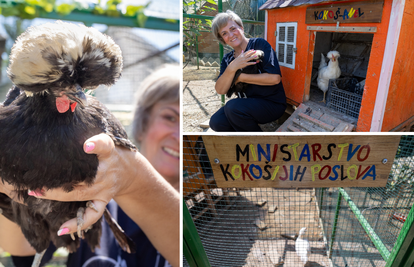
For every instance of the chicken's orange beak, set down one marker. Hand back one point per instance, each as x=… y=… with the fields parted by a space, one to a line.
x=333 y=58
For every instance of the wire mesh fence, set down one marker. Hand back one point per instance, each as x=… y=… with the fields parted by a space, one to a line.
x=259 y=226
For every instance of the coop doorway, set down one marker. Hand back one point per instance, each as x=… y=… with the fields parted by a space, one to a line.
x=343 y=94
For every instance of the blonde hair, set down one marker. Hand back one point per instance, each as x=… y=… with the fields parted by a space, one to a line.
x=221 y=20
x=162 y=86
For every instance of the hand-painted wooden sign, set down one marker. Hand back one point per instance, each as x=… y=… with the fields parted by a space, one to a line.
x=355 y=12
x=301 y=161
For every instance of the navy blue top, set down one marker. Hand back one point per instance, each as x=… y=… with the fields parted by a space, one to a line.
x=269 y=64
x=110 y=253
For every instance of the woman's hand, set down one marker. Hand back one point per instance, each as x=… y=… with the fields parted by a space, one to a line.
x=112 y=162
x=142 y=193
x=224 y=82
x=242 y=61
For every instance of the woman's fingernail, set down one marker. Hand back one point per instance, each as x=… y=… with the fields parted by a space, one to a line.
x=36 y=193
x=63 y=231
x=89 y=147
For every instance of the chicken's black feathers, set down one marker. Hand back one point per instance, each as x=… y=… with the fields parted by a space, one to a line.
x=41 y=146
x=252 y=69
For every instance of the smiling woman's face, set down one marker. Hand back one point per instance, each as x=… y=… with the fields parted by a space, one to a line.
x=232 y=34
x=161 y=142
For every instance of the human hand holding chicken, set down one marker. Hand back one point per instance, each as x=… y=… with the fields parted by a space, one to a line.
x=141 y=192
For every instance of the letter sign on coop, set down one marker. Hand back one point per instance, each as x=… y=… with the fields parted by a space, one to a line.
x=301 y=161
x=355 y=12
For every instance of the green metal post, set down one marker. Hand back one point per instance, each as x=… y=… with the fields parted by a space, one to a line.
x=195 y=21
x=192 y=247
x=402 y=253
x=338 y=207
x=367 y=227
x=198 y=62
x=220 y=9
x=320 y=202
x=88 y=18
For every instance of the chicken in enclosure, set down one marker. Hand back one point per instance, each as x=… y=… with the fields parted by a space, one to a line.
x=328 y=71
x=302 y=247
x=45 y=120
x=239 y=88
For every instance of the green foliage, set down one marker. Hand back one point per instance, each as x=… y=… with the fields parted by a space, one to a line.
x=65 y=9
x=138 y=11
x=192 y=27
x=30 y=9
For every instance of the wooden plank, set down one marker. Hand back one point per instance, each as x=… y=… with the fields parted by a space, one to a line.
x=308 y=126
x=317 y=122
x=260 y=224
x=343 y=127
x=294 y=129
x=301 y=161
x=342 y=29
x=272 y=208
x=355 y=12
x=296 y=121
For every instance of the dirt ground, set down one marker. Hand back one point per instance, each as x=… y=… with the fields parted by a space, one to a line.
x=200 y=99
x=247 y=232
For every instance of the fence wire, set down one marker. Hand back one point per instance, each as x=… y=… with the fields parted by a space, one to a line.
x=259 y=226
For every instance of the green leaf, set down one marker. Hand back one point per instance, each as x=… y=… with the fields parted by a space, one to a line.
x=48 y=7
x=210 y=8
x=30 y=10
x=191 y=3
x=98 y=10
x=112 y=11
x=33 y=2
x=132 y=10
x=212 y=2
x=141 y=19
x=64 y=9
x=171 y=20
x=113 y=2
x=9 y=11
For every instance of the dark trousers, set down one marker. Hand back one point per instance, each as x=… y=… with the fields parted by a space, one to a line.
x=244 y=115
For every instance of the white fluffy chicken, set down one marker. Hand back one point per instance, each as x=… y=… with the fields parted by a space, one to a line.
x=328 y=71
x=302 y=246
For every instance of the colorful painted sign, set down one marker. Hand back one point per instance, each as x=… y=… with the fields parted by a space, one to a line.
x=355 y=12
x=301 y=161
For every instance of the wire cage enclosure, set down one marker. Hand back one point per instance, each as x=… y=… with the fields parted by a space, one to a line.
x=345 y=96
x=259 y=226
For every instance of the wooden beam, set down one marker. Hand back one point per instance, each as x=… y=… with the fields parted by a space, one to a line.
x=341 y=29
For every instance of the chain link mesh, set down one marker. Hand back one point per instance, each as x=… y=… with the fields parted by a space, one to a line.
x=259 y=226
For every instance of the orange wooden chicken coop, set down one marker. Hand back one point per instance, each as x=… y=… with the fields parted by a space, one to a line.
x=374 y=39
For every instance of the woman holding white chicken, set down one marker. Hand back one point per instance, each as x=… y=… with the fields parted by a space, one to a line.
x=264 y=99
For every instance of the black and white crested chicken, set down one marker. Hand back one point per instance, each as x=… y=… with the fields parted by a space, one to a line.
x=328 y=71
x=44 y=122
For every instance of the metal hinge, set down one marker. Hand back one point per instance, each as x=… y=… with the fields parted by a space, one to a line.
x=275 y=33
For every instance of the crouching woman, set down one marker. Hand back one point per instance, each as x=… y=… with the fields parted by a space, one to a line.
x=263 y=99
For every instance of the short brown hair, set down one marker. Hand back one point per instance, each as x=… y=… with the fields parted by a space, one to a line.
x=163 y=85
x=221 y=20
